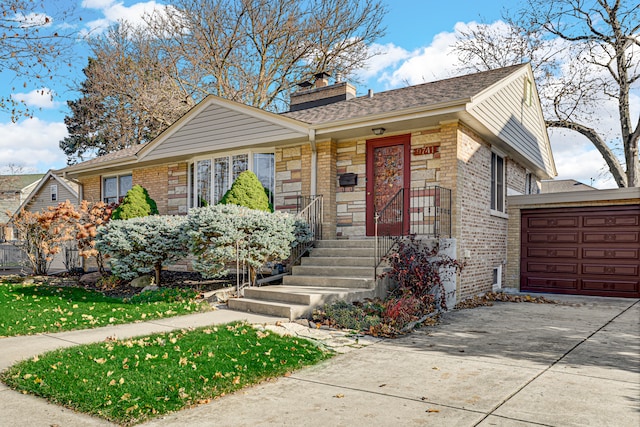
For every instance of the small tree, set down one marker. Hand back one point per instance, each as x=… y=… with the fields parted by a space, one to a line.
x=41 y=233
x=136 y=203
x=141 y=245
x=92 y=216
x=247 y=191
x=220 y=234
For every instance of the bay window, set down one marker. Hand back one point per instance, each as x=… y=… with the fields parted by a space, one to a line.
x=211 y=178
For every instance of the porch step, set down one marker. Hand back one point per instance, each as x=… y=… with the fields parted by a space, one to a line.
x=334 y=270
x=350 y=261
x=330 y=282
x=293 y=302
x=342 y=252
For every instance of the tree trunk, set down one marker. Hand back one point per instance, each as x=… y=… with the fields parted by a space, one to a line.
x=612 y=161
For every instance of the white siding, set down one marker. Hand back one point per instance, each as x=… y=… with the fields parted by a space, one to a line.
x=219 y=128
x=520 y=125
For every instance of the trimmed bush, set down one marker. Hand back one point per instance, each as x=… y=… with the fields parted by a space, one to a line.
x=217 y=234
x=142 y=245
x=136 y=203
x=247 y=191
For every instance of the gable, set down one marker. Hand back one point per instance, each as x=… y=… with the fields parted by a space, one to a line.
x=221 y=125
x=508 y=115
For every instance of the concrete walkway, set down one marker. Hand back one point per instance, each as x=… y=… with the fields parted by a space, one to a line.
x=575 y=364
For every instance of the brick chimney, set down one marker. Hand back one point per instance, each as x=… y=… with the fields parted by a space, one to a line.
x=321 y=93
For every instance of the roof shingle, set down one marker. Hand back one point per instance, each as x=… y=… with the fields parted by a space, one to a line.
x=423 y=95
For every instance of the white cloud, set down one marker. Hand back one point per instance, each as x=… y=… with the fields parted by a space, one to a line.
x=117 y=12
x=385 y=57
x=32 y=143
x=39 y=98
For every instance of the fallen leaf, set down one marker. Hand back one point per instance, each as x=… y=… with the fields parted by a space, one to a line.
x=382 y=385
x=339 y=395
x=430 y=410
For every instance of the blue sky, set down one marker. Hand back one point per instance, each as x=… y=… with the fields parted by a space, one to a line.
x=416 y=49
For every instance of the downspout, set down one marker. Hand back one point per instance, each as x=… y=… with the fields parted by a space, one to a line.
x=314 y=163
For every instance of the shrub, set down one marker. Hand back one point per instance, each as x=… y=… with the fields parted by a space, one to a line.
x=218 y=234
x=349 y=316
x=247 y=191
x=42 y=233
x=91 y=216
x=136 y=203
x=416 y=270
x=141 y=245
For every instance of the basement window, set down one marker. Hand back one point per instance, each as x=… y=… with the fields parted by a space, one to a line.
x=497 y=278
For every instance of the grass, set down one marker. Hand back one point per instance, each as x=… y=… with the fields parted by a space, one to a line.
x=32 y=309
x=130 y=381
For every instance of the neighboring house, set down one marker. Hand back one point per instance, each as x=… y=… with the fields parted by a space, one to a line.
x=14 y=190
x=51 y=190
x=48 y=190
x=479 y=136
x=563 y=185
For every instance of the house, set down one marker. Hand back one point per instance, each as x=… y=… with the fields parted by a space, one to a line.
x=451 y=148
x=14 y=190
x=46 y=191
x=563 y=186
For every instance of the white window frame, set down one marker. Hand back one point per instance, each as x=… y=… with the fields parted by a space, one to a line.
x=119 y=193
x=193 y=178
x=53 y=191
x=498 y=187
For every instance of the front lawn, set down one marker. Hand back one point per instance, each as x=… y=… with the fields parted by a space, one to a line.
x=32 y=309
x=132 y=380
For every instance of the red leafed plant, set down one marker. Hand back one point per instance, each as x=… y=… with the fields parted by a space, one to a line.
x=416 y=269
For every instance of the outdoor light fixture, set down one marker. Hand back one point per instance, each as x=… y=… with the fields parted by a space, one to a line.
x=378 y=131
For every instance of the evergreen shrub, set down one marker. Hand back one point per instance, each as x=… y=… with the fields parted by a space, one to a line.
x=136 y=203
x=142 y=245
x=247 y=191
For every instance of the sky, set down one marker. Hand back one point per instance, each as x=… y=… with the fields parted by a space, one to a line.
x=415 y=49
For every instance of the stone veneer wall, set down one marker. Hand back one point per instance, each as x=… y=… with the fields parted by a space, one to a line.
x=177 y=191
x=288 y=177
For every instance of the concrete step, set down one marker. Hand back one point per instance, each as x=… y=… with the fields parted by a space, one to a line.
x=346 y=243
x=284 y=301
x=302 y=295
x=332 y=271
x=330 y=282
x=342 y=252
x=271 y=308
x=350 y=261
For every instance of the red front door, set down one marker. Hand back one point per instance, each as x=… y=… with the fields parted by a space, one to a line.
x=388 y=171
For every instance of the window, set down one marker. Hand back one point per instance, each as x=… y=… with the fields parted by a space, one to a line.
x=53 y=189
x=497 y=183
x=211 y=178
x=114 y=188
x=497 y=278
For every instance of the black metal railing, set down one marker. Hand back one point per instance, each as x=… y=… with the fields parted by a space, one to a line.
x=312 y=215
x=424 y=212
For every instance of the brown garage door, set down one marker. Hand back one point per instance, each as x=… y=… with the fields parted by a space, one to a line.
x=584 y=251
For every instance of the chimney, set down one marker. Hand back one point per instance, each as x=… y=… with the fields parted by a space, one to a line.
x=322 y=94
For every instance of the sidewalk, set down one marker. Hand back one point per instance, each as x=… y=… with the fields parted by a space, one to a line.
x=576 y=364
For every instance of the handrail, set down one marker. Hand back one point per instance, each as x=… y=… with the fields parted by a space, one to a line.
x=422 y=211
x=312 y=215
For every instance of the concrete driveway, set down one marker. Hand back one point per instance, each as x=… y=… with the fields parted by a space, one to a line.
x=573 y=364
x=576 y=364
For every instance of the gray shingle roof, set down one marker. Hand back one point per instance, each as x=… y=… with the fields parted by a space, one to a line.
x=115 y=155
x=423 y=95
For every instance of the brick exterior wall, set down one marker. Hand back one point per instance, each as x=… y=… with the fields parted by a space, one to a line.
x=155 y=180
x=177 y=191
x=92 y=188
x=288 y=177
x=351 y=201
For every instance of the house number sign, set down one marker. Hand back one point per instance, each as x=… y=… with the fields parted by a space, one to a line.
x=430 y=149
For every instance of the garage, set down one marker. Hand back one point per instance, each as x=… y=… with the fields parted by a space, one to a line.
x=581 y=250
